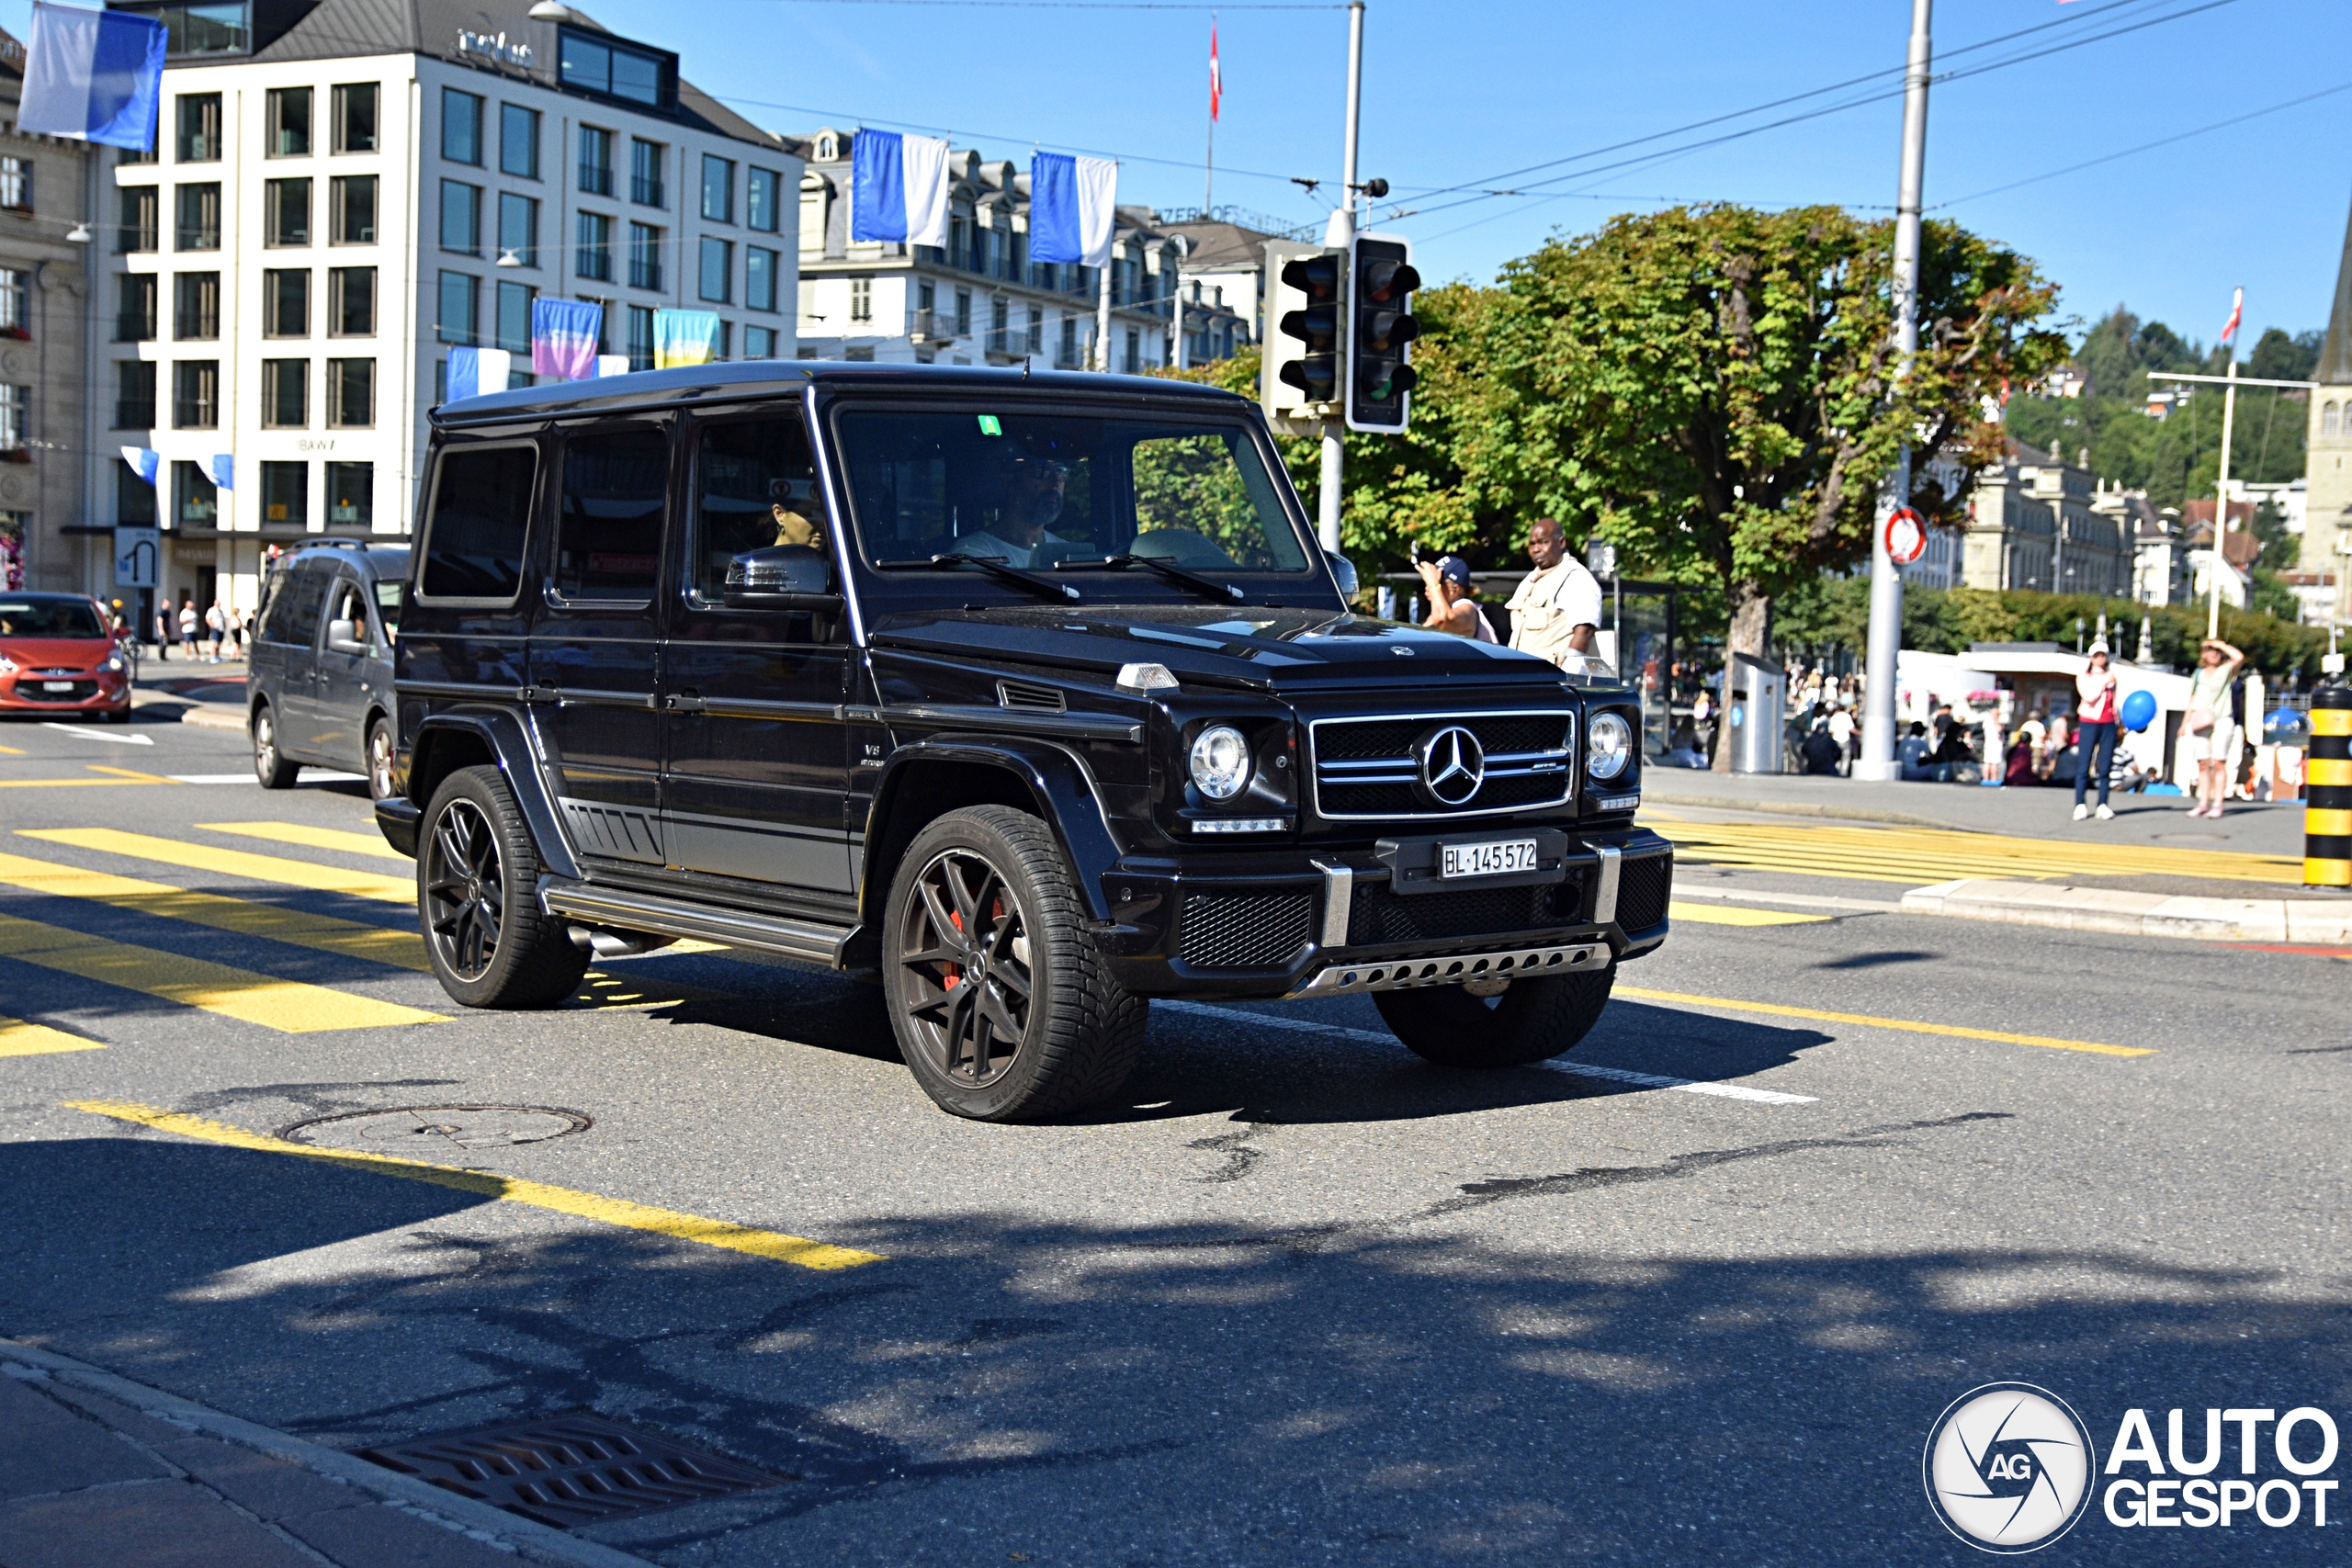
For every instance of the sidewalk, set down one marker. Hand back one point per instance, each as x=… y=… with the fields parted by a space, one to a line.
x=97 y=1471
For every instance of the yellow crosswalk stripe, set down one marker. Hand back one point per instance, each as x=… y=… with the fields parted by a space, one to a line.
x=1735 y=915
x=290 y=1007
x=1916 y=855
x=302 y=833
x=379 y=944
x=1908 y=1025
x=775 y=1244
x=234 y=863
x=19 y=1038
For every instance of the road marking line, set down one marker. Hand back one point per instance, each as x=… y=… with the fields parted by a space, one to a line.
x=378 y=944
x=310 y=777
x=776 y=1245
x=70 y=783
x=1708 y=915
x=1581 y=1069
x=10 y=751
x=234 y=863
x=1802 y=900
x=214 y=778
x=88 y=734
x=133 y=774
x=19 y=1038
x=291 y=1007
x=310 y=838
x=1919 y=855
x=1909 y=1025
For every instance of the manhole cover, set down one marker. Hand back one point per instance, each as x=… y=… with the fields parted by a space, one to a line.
x=424 y=1132
x=568 y=1470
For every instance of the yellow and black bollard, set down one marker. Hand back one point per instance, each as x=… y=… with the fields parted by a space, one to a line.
x=2327 y=793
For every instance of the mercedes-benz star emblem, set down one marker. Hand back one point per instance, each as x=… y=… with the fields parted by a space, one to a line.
x=1453 y=765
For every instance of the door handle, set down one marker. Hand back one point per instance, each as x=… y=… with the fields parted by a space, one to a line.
x=687 y=701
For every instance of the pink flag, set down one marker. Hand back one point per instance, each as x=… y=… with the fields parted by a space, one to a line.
x=2237 y=314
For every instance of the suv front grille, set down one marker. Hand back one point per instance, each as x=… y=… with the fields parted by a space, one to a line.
x=1245 y=930
x=1643 y=887
x=1366 y=767
x=1380 y=916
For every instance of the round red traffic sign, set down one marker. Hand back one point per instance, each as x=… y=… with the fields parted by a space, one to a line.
x=1906 y=536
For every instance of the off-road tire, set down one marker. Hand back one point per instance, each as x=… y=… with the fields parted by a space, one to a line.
x=379 y=767
x=1533 y=1020
x=1083 y=1031
x=477 y=875
x=270 y=766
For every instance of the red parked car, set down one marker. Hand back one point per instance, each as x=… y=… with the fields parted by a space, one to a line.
x=57 y=657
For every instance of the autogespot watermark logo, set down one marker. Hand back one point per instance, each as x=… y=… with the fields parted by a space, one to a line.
x=2008 y=1467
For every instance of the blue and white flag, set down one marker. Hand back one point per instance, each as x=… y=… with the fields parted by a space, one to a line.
x=474 y=371
x=1073 y=205
x=221 y=469
x=898 y=188
x=93 y=76
x=145 y=461
x=563 y=338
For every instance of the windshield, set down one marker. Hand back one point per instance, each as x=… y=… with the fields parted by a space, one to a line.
x=1036 y=490
x=49 y=617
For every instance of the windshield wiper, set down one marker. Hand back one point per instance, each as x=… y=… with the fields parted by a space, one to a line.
x=1167 y=569
x=995 y=566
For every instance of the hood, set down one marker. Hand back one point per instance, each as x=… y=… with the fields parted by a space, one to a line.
x=1250 y=645
x=57 y=652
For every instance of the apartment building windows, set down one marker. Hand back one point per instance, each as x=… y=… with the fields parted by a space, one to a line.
x=861 y=298
x=285 y=394
x=285 y=212
x=196 y=394
x=518 y=228
x=355 y=117
x=717 y=270
x=351 y=393
x=726 y=340
x=461 y=127
x=594 y=256
x=460 y=308
x=1134 y=351
x=354 y=219
x=644 y=256
x=1036 y=337
x=134 y=317
x=141 y=207
x=134 y=497
x=1067 y=359
x=518 y=142
x=197 y=226
x=604 y=66
x=196 y=307
x=15 y=317
x=595 y=161
x=762 y=203
x=285 y=302
x=515 y=316
x=717 y=188
x=196 y=500
x=17 y=185
x=196 y=118
x=759 y=343
x=462 y=217
x=759 y=277
x=287 y=123
x=285 y=495
x=645 y=173
x=999 y=319
x=134 y=397
x=351 y=495
x=14 y=401
x=640 y=347
x=963 y=312
x=351 y=301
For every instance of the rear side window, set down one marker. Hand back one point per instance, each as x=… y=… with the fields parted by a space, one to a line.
x=481 y=514
x=608 y=534
x=292 y=614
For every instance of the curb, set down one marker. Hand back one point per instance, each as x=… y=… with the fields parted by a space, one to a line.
x=2136 y=914
x=204 y=717
x=531 y=1542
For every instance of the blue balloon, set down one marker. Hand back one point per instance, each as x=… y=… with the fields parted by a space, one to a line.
x=2139 y=709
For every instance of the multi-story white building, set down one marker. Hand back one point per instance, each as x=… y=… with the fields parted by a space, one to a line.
x=342 y=191
x=979 y=300
x=2033 y=524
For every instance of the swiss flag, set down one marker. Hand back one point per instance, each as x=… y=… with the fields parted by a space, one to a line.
x=2237 y=314
x=1217 y=76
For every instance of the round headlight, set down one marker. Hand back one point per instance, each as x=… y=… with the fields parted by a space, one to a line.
x=1608 y=745
x=1220 y=762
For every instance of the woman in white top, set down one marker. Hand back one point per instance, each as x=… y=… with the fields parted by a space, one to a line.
x=1450 y=607
x=2207 y=733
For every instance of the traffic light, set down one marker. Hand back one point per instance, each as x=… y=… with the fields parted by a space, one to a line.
x=1306 y=348
x=1381 y=330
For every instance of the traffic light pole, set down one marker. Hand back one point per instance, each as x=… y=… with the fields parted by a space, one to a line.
x=1877 y=761
x=1340 y=232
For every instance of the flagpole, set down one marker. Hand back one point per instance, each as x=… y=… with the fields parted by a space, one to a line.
x=1216 y=88
x=2222 y=504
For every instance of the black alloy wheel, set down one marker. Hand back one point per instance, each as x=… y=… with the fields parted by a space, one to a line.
x=477 y=898
x=964 y=946
x=465 y=890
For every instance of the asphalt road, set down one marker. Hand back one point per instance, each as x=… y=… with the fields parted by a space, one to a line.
x=1297 y=1297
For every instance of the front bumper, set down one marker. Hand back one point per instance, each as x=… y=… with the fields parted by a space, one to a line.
x=84 y=692
x=1332 y=924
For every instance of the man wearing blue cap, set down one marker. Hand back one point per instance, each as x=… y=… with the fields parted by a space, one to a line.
x=1451 y=609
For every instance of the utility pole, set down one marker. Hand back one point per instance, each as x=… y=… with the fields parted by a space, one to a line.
x=1341 y=233
x=1176 y=309
x=1877 y=761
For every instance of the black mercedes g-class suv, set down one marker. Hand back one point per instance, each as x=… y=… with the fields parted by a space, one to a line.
x=1032 y=694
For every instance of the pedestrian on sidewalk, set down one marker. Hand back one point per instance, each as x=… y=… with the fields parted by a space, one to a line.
x=2207 y=734
x=2095 y=726
x=188 y=626
x=216 y=622
x=164 y=630
x=1555 y=609
x=1841 y=730
x=1451 y=606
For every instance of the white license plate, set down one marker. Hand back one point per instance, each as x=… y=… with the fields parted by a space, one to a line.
x=1497 y=859
x=57 y=685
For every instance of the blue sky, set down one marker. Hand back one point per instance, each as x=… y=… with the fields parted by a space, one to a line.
x=1459 y=91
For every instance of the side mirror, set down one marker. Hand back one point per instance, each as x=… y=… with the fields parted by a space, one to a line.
x=1345 y=571
x=781 y=576
x=343 y=637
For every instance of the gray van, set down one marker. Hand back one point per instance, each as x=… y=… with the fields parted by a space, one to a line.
x=319 y=686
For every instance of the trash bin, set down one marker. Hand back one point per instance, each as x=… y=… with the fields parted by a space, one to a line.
x=1758 y=699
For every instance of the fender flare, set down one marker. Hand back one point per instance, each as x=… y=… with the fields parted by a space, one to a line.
x=510 y=744
x=1058 y=782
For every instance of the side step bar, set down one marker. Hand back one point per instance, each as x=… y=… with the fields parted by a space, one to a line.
x=808 y=941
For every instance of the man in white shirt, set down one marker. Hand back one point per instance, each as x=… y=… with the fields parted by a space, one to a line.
x=1035 y=490
x=1556 y=611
